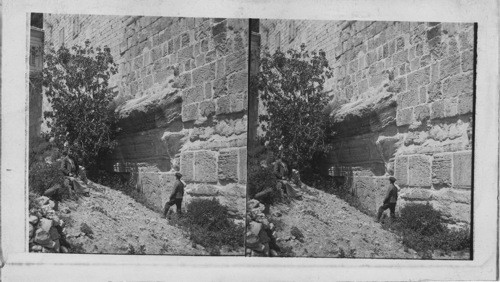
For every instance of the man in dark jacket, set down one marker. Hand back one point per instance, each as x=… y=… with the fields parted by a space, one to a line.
x=390 y=200
x=176 y=196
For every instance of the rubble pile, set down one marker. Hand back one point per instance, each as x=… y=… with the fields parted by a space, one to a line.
x=261 y=234
x=46 y=229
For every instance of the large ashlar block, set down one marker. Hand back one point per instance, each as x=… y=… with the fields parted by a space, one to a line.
x=462 y=170
x=401 y=170
x=187 y=165
x=205 y=166
x=228 y=165
x=419 y=168
x=441 y=170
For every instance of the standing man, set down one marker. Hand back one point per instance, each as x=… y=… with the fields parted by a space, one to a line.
x=176 y=196
x=390 y=200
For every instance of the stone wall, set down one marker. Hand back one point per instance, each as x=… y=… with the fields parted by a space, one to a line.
x=181 y=97
x=401 y=104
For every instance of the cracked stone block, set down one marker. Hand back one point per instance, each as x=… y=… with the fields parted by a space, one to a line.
x=419 y=168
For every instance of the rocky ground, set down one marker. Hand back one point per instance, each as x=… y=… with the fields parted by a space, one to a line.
x=117 y=224
x=329 y=227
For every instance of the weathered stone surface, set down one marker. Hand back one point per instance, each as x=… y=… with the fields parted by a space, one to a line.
x=467 y=60
x=465 y=104
x=404 y=117
x=401 y=170
x=417 y=194
x=450 y=107
x=462 y=170
x=192 y=95
x=449 y=195
x=408 y=99
x=418 y=78
x=421 y=112
x=228 y=165
x=173 y=142
x=223 y=105
x=450 y=66
x=202 y=190
x=203 y=74
x=400 y=58
x=441 y=170
x=187 y=165
x=437 y=110
x=458 y=85
x=236 y=61
x=207 y=108
x=190 y=112
x=220 y=87
x=238 y=83
x=419 y=167
x=434 y=91
x=205 y=166
x=242 y=165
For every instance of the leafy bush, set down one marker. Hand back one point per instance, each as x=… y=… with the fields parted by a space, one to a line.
x=291 y=88
x=423 y=219
x=43 y=175
x=76 y=82
x=423 y=229
x=210 y=226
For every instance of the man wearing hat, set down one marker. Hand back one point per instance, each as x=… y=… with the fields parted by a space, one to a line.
x=176 y=196
x=391 y=197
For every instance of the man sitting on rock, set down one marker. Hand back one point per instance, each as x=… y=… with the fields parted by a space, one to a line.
x=390 y=200
x=281 y=172
x=70 y=168
x=176 y=196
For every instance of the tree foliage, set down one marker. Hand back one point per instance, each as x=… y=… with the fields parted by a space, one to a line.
x=291 y=88
x=76 y=82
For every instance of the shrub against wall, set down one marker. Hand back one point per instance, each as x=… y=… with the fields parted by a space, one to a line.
x=291 y=87
x=76 y=82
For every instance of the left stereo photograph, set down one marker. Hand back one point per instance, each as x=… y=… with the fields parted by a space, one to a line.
x=137 y=135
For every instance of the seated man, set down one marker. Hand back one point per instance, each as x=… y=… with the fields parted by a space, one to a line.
x=281 y=172
x=70 y=168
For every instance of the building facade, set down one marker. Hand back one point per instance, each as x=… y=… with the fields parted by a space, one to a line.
x=402 y=99
x=181 y=98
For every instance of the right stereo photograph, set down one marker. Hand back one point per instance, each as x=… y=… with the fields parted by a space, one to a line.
x=361 y=139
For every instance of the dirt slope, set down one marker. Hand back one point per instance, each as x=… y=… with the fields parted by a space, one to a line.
x=118 y=223
x=333 y=228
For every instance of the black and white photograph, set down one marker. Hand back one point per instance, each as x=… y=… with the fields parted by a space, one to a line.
x=270 y=140
x=137 y=134
x=361 y=139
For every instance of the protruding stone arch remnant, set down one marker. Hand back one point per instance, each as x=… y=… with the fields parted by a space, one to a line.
x=401 y=104
x=182 y=92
